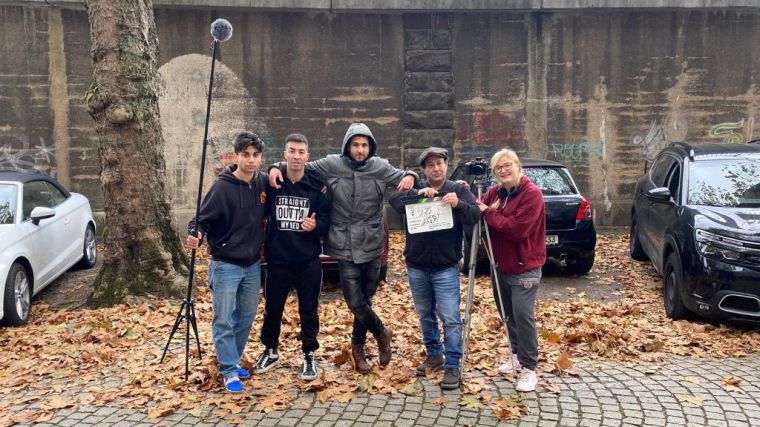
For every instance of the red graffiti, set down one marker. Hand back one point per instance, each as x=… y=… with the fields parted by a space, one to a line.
x=492 y=127
x=228 y=158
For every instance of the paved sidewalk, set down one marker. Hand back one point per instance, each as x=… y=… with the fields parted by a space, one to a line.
x=681 y=391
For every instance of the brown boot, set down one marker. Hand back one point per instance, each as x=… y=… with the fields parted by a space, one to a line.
x=384 y=346
x=360 y=360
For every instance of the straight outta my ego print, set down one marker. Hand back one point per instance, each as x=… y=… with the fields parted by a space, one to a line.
x=290 y=212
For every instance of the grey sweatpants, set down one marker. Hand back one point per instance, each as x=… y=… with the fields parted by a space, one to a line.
x=518 y=298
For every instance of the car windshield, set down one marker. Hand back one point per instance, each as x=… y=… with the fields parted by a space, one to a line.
x=725 y=182
x=7 y=203
x=551 y=181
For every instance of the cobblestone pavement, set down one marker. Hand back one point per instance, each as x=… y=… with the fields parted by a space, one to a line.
x=680 y=391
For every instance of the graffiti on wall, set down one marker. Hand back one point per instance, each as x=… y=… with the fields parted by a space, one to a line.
x=661 y=133
x=494 y=128
x=733 y=132
x=576 y=152
x=18 y=153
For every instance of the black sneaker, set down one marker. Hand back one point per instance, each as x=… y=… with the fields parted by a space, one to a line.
x=309 y=370
x=435 y=363
x=268 y=360
x=451 y=378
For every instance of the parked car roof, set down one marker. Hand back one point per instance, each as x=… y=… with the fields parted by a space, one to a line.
x=709 y=149
x=530 y=163
x=24 y=177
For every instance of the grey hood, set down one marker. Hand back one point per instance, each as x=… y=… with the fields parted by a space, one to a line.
x=359 y=129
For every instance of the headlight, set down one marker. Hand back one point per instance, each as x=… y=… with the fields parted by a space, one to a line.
x=715 y=246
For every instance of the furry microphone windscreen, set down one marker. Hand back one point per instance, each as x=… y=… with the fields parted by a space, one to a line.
x=221 y=29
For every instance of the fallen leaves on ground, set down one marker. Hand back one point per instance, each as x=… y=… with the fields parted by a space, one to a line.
x=111 y=356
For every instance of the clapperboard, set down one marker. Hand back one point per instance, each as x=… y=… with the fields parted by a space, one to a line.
x=290 y=212
x=427 y=214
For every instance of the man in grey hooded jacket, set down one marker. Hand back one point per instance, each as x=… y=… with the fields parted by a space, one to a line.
x=357 y=180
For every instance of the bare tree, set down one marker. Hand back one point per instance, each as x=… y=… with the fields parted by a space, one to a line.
x=143 y=252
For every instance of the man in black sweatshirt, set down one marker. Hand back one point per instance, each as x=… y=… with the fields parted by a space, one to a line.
x=299 y=216
x=232 y=220
x=432 y=260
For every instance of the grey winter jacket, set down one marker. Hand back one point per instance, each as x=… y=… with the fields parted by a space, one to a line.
x=356 y=193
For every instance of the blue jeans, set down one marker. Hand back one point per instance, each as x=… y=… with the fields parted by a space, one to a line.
x=436 y=295
x=236 y=298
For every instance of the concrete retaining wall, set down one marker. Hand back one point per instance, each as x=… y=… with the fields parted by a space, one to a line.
x=600 y=90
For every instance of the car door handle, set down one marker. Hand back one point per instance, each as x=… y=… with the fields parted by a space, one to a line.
x=66 y=221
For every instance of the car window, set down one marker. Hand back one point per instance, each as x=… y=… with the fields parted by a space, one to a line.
x=36 y=193
x=551 y=181
x=7 y=203
x=674 y=182
x=56 y=195
x=725 y=182
x=660 y=169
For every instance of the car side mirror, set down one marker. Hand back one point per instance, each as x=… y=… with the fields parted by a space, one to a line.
x=40 y=212
x=659 y=195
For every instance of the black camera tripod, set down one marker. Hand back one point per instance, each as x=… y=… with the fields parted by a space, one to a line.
x=478 y=238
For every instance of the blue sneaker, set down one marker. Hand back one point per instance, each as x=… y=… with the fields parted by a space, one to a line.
x=233 y=384
x=243 y=373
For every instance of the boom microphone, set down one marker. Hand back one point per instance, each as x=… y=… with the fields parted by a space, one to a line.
x=221 y=30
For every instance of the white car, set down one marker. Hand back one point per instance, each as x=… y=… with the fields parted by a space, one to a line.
x=44 y=231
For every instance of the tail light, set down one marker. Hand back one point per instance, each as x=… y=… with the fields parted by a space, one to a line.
x=584 y=211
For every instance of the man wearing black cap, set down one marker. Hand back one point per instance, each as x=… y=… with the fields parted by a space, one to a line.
x=432 y=260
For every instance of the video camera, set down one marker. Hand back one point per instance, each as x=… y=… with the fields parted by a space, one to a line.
x=477 y=167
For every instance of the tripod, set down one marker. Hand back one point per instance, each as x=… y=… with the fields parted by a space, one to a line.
x=477 y=239
x=186 y=311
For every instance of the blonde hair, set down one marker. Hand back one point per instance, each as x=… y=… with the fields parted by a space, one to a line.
x=511 y=155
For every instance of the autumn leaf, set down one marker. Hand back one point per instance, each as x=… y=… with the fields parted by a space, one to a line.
x=365 y=385
x=696 y=401
x=155 y=413
x=470 y=402
x=440 y=400
x=563 y=363
x=551 y=387
x=412 y=389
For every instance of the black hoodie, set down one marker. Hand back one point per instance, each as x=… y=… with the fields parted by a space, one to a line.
x=288 y=207
x=232 y=217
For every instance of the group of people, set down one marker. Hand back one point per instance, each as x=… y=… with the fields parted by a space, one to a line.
x=339 y=199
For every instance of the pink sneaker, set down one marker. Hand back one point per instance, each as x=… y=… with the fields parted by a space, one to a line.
x=511 y=365
x=526 y=381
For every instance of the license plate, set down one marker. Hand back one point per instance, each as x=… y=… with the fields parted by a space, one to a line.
x=552 y=239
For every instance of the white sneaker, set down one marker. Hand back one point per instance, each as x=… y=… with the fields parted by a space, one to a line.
x=526 y=381
x=511 y=365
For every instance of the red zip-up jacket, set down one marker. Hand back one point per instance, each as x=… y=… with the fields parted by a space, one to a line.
x=517 y=227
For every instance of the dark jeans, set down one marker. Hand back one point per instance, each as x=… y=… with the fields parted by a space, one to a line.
x=359 y=283
x=306 y=278
x=518 y=294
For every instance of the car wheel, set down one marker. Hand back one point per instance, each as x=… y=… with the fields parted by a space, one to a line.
x=637 y=252
x=90 y=249
x=581 y=265
x=18 y=296
x=672 y=281
x=383 y=273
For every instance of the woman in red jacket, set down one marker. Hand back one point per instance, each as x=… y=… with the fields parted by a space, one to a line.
x=514 y=212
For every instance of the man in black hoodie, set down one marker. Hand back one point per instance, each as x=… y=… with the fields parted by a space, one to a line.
x=232 y=220
x=299 y=216
x=432 y=260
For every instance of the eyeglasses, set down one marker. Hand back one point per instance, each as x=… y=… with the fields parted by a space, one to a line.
x=504 y=167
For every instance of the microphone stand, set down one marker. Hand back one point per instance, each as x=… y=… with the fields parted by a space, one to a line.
x=187 y=309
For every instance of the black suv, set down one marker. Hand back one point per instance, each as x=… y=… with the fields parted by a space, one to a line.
x=696 y=215
x=570 y=232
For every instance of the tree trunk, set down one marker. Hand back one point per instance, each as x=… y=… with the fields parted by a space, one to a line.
x=143 y=252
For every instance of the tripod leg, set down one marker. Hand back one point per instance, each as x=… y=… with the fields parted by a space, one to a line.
x=470 y=291
x=187 y=340
x=177 y=321
x=495 y=273
x=194 y=323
